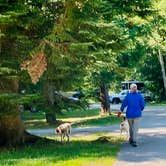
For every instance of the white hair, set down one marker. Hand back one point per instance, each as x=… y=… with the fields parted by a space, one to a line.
x=134 y=86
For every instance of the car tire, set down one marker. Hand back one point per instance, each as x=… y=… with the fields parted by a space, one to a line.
x=116 y=101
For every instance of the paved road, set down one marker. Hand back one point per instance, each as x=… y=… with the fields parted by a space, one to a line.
x=152 y=139
x=78 y=131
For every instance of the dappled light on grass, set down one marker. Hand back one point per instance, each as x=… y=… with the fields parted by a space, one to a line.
x=102 y=161
x=88 y=150
x=27 y=115
x=79 y=113
x=99 y=121
x=81 y=118
x=36 y=123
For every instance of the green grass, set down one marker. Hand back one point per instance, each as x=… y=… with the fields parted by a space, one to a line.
x=82 y=118
x=27 y=115
x=99 y=121
x=79 y=113
x=163 y=103
x=34 y=120
x=85 y=151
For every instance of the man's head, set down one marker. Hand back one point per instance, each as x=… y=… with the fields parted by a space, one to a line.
x=133 y=88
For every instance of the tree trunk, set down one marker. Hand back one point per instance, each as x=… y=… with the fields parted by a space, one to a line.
x=160 y=57
x=12 y=132
x=8 y=85
x=50 y=117
x=50 y=100
x=105 y=103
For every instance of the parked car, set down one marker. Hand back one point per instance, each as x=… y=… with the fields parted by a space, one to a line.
x=148 y=96
x=119 y=97
x=73 y=97
x=28 y=107
x=126 y=85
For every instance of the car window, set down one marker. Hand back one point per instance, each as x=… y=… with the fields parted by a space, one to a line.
x=124 y=93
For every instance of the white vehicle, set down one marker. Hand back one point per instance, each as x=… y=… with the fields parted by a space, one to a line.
x=117 y=98
x=148 y=96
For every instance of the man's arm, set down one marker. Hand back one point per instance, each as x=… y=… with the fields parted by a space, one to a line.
x=124 y=103
x=142 y=102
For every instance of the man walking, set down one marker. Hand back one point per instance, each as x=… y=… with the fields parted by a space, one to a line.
x=135 y=104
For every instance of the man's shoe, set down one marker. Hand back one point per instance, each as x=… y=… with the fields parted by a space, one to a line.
x=134 y=144
x=130 y=141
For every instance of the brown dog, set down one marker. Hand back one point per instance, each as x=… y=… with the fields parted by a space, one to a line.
x=64 y=130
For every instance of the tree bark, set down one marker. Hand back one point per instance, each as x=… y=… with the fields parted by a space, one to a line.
x=12 y=132
x=161 y=60
x=50 y=101
x=8 y=85
x=104 y=97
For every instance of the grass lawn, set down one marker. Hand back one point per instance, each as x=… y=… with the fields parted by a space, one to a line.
x=163 y=103
x=85 y=151
x=81 y=118
x=99 y=121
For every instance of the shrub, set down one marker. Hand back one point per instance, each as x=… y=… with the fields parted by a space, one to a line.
x=7 y=106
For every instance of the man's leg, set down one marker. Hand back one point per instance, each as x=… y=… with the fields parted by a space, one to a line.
x=133 y=125
x=130 y=121
x=135 y=128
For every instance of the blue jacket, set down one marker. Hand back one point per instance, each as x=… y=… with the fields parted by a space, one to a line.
x=135 y=104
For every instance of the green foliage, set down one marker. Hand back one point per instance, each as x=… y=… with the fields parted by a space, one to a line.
x=134 y=7
x=150 y=72
x=140 y=60
x=85 y=41
x=7 y=107
x=14 y=100
x=6 y=71
x=32 y=101
x=23 y=24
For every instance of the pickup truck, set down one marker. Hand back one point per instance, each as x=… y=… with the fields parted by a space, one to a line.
x=119 y=97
